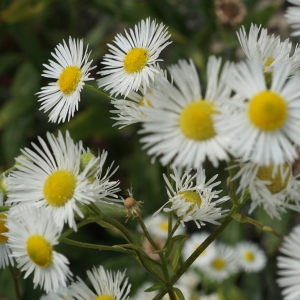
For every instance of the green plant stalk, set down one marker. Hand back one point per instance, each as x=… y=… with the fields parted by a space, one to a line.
x=173 y=230
x=9 y=170
x=81 y=224
x=4 y=208
x=94 y=90
x=201 y=248
x=16 y=283
x=130 y=239
x=241 y=218
x=170 y=223
x=161 y=255
x=97 y=247
x=232 y=184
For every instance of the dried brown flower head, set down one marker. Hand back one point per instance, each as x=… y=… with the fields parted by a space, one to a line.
x=132 y=207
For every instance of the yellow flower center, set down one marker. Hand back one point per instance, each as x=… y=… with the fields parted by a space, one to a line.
x=277 y=183
x=59 y=187
x=196 y=120
x=218 y=263
x=69 y=79
x=267 y=110
x=193 y=197
x=3 y=229
x=164 y=226
x=105 y=297
x=249 y=256
x=135 y=60
x=39 y=250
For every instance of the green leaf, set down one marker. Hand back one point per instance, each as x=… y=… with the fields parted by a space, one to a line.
x=179 y=293
x=173 y=240
x=177 y=253
x=156 y=286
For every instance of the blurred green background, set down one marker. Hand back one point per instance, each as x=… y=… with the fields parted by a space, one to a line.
x=29 y=32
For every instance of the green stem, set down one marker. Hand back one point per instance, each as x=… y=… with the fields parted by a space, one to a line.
x=146 y=232
x=83 y=223
x=244 y=219
x=9 y=170
x=4 y=208
x=232 y=183
x=94 y=90
x=200 y=249
x=16 y=283
x=161 y=255
x=97 y=247
x=130 y=239
x=170 y=223
x=172 y=231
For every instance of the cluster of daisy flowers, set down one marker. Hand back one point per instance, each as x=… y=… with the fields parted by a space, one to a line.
x=219 y=261
x=249 y=113
x=48 y=189
x=216 y=263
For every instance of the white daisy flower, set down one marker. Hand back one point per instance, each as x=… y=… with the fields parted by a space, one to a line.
x=193 y=199
x=131 y=63
x=107 y=285
x=180 y=125
x=32 y=235
x=158 y=226
x=268 y=50
x=289 y=266
x=293 y=17
x=250 y=257
x=189 y=279
x=222 y=264
x=70 y=70
x=263 y=123
x=52 y=178
x=105 y=188
x=192 y=243
x=5 y=258
x=128 y=110
x=270 y=187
